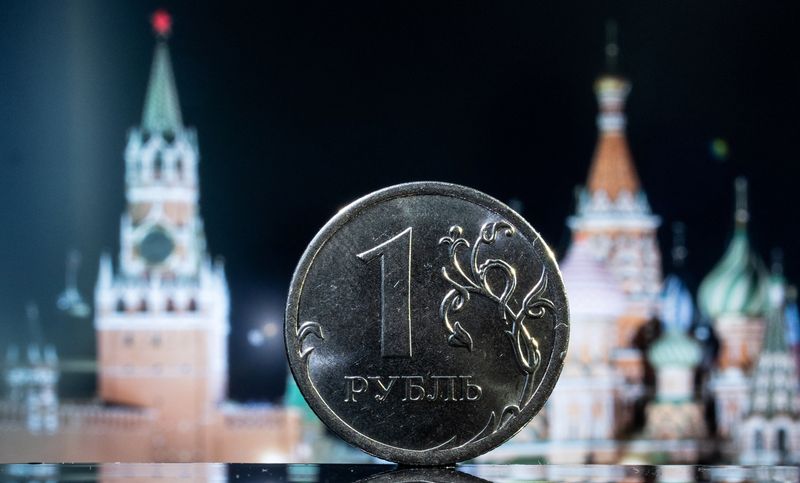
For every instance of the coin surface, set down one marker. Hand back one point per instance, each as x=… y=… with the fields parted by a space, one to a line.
x=426 y=323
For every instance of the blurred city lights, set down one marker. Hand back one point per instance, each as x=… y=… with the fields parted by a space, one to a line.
x=719 y=149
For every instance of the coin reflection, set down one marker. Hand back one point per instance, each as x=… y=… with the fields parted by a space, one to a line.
x=432 y=475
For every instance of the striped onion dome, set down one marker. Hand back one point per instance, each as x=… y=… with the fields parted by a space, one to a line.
x=675 y=349
x=737 y=285
x=592 y=290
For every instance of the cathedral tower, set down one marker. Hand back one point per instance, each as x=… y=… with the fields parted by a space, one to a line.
x=675 y=413
x=614 y=218
x=613 y=214
x=734 y=295
x=162 y=316
x=582 y=412
x=769 y=433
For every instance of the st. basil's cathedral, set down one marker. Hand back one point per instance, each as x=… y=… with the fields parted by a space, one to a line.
x=650 y=376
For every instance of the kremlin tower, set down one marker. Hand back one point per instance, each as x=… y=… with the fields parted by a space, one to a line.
x=162 y=319
x=161 y=316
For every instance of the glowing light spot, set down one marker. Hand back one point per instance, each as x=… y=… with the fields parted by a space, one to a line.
x=255 y=337
x=271 y=329
x=270 y=457
x=719 y=149
x=162 y=23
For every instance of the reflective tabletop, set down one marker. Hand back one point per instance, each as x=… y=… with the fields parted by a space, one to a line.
x=215 y=472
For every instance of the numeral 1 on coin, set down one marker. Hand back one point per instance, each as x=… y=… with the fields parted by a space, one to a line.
x=395 y=255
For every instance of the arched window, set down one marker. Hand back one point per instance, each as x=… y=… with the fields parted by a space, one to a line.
x=758 y=440
x=170 y=305
x=192 y=305
x=158 y=166
x=783 y=447
x=120 y=305
x=143 y=306
x=179 y=168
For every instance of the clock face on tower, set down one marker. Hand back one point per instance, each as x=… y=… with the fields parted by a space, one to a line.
x=156 y=246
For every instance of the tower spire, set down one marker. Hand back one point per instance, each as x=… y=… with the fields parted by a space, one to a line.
x=612 y=169
x=612 y=47
x=742 y=215
x=162 y=112
x=679 y=251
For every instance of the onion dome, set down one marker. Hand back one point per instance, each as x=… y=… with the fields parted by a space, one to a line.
x=591 y=288
x=675 y=349
x=677 y=306
x=737 y=284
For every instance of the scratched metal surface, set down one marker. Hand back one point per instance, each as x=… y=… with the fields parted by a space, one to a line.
x=427 y=323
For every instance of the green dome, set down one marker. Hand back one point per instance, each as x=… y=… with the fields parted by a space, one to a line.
x=674 y=349
x=738 y=284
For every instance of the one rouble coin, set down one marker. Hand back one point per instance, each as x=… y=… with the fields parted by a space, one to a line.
x=426 y=323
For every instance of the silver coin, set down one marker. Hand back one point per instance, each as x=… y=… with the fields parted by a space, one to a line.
x=426 y=323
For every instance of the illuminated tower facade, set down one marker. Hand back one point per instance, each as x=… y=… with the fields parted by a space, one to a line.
x=675 y=413
x=614 y=217
x=582 y=412
x=162 y=315
x=770 y=431
x=734 y=296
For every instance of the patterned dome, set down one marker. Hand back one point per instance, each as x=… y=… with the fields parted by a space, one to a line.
x=738 y=284
x=675 y=349
x=592 y=290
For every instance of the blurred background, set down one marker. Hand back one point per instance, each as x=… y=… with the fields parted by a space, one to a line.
x=165 y=164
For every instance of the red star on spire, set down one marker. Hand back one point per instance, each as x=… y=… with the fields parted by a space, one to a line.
x=162 y=23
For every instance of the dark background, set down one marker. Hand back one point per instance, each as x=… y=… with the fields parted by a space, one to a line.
x=302 y=107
